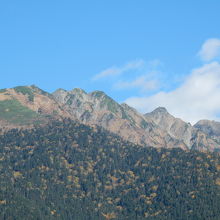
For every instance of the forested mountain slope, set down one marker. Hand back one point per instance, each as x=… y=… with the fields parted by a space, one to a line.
x=67 y=170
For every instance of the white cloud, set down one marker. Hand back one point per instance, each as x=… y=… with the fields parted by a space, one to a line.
x=210 y=49
x=142 y=82
x=139 y=74
x=115 y=71
x=197 y=98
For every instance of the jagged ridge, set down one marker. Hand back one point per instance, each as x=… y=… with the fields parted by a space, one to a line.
x=157 y=129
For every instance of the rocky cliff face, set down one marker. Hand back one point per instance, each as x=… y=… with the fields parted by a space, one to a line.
x=26 y=105
x=98 y=108
x=192 y=137
x=174 y=126
x=210 y=128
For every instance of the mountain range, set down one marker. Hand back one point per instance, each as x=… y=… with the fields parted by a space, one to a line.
x=77 y=155
x=27 y=106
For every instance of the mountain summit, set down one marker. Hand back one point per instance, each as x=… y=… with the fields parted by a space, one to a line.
x=160 y=110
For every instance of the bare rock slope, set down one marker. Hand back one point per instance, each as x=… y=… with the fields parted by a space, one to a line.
x=191 y=136
x=98 y=108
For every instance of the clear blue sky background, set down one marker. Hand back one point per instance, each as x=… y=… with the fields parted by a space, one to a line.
x=63 y=44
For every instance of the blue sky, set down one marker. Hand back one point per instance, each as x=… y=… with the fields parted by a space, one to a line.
x=135 y=51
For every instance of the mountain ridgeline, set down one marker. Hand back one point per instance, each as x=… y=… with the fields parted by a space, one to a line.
x=25 y=106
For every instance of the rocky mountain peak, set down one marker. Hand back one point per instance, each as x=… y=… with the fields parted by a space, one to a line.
x=60 y=90
x=212 y=128
x=97 y=94
x=160 y=110
x=78 y=91
x=60 y=95
x=174 y=126
x=160 y=116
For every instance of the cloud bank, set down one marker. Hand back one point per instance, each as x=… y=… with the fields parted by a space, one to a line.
x=116 y=71
x=210 y=49
x=138 y=74
x=197 y=98
x=141 y=82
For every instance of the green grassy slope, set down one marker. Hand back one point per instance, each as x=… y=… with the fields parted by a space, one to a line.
x=14 y=112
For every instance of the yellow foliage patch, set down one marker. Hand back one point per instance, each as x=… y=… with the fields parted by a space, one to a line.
x=154 y=187
x=109 y=215
x=2 y=202
x=217 y=181
x=53 y=212
x=17 y=174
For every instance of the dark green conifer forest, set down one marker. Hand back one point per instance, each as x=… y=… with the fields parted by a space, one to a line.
x=67 y=170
